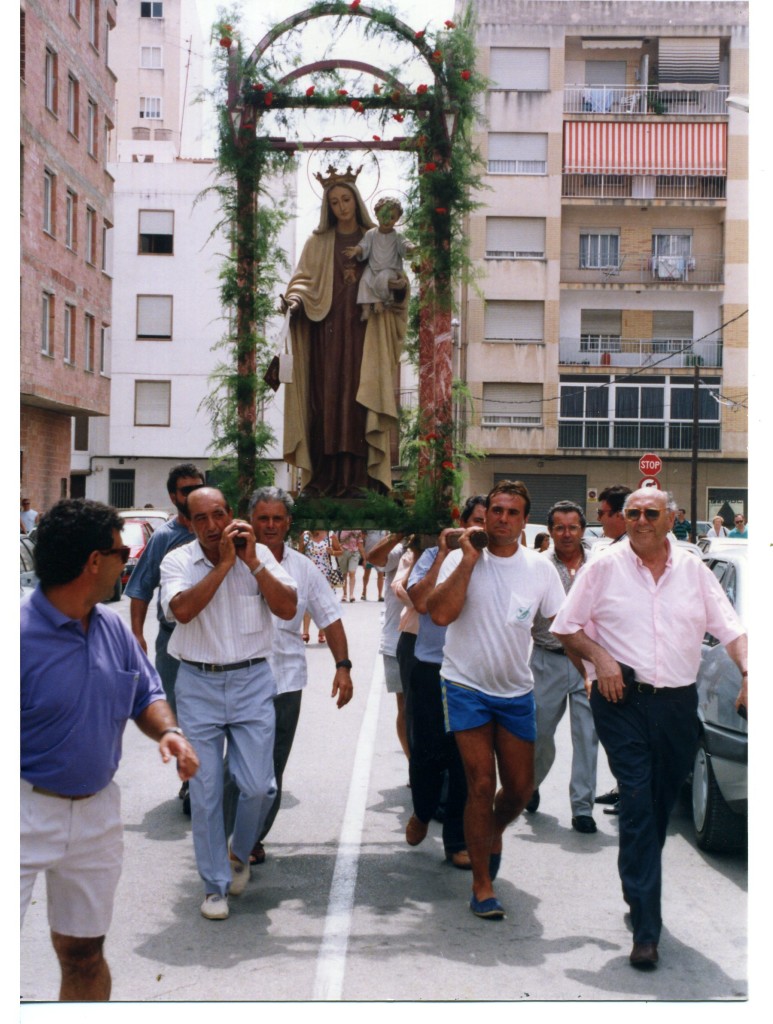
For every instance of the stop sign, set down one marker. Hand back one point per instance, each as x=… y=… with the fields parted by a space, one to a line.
x=650 y=465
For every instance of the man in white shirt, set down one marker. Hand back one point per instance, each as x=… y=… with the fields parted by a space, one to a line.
x=271 y=517
x=221 y=589
x=644 y=608
x=488 y=600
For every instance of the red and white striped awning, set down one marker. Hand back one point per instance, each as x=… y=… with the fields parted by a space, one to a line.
x=611 y=147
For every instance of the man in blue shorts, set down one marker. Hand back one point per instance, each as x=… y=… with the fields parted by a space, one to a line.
x=488 y=600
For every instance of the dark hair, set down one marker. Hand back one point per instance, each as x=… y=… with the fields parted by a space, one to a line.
x=615 y=496
x=565 y=506
x=271 y=494
x=516 y=487
x=540 y=539
x=470 y=505
x=68 y=533
x=178 y=472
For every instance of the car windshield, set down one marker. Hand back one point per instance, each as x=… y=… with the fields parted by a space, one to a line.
x=132 y=535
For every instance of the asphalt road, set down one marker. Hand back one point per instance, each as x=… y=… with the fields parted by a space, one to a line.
x=343 y=909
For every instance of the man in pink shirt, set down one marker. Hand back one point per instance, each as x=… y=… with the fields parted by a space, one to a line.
x=644 y=607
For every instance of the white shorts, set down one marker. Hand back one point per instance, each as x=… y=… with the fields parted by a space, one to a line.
x=392 y=674
x=79 y=845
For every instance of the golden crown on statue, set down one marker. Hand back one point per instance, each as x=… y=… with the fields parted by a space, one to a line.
x=349 y=177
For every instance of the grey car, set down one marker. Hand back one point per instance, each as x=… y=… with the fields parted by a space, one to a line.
x=719 y=778
x=28 y=579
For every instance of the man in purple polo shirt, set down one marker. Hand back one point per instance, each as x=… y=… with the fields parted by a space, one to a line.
x=83 y=675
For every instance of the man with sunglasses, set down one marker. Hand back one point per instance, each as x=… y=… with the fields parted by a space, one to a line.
x=620 y=618
x=741 y=529
x=83 y=676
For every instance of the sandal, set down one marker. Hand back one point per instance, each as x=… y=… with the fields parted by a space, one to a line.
x=305 y=637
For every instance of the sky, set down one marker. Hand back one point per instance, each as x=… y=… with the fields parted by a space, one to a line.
x=381 y=175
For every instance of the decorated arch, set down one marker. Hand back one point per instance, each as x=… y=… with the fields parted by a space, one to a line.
x=434 y=120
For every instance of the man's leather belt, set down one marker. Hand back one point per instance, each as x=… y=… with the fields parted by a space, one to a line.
x=552 y=650
x=203 y=666
x=60 y=796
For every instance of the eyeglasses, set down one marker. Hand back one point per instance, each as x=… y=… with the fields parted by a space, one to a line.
x=124 y=552
x=634 y=514
x=738 y=520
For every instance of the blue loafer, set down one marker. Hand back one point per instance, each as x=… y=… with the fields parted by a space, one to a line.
x=494 y=862
x=490 y=909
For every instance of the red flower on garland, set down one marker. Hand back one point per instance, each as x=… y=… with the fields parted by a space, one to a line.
x=226 y=42
x=455 y=513
x=377 y=138
x=430 y=166
x=354 y=5
x=259 y=86
x=421 y=89
x=310 y=91
x=343 y=92
x=377 y=88
x=269 y=98
x=437 y=56
x=356 y=105
x=396 y=96
x=441 y=210
x=447 y=465
x=450 y=24
x=420 y=35
x=398 y=117
x=431 y=437
x=466 y=75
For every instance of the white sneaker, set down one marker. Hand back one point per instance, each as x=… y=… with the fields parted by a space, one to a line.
x=215 y=907
x=240 y=875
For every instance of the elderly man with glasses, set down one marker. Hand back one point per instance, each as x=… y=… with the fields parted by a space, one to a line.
x=637 y=617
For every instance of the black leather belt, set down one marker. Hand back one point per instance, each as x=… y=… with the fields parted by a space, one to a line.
x=649 y=688
x=206 y=667
x=553 y=650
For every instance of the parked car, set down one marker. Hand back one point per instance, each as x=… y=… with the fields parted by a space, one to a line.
x=719 y=777
x=714 y=544
x=155 y=517
x=28 y=578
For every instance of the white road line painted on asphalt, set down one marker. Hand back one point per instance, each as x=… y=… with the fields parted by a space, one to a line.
x=331 y=960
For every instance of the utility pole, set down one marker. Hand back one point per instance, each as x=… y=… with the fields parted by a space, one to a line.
x=694 y=460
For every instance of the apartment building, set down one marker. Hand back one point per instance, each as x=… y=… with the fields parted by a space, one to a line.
x=166 y=261
x=613 y=249
x=67 y=97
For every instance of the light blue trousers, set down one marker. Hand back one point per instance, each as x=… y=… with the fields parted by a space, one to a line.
x=557 y=683
x=213 y=707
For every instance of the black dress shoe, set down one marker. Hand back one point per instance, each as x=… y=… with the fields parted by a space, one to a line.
x=644 y=955
x=533 y=804
x=611 y=797
x=612 y=810
x=584 y=823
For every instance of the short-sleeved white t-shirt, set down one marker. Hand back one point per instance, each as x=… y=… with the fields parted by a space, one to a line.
x=488 y=646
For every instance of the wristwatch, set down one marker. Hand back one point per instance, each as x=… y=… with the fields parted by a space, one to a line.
x=258 y=568
x=173 y=728
x=344 y=663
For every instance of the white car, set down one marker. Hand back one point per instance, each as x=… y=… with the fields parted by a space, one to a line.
x=154 y=516
x=719 y=778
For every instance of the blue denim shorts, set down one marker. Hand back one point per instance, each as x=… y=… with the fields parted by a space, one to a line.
x=467 y=708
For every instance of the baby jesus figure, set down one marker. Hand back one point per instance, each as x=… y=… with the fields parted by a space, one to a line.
x=384 y=250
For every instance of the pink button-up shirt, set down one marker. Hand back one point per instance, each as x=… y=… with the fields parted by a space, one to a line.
x=656 y=628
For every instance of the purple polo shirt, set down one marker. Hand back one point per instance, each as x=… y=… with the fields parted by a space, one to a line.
x=78 y=689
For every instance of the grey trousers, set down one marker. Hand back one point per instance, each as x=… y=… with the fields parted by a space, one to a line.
x=557 y=683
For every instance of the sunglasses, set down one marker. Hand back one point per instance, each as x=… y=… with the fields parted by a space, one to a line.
x=124 y=552
x=634 y=514
x=185 y=491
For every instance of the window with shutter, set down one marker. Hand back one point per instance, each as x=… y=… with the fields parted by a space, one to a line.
x=512 y=405
x=156 y=229
x=154 y=316
x=524 y=68
x=514 y=238
x=514 y=320
x=517 y=153
x=152 y=400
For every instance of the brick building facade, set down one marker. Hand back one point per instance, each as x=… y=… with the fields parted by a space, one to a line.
x=67 y=101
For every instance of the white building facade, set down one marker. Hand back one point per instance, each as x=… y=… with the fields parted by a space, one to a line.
x=165 y=263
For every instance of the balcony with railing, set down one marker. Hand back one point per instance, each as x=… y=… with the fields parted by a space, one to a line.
x=684 y=187
x=644 y=268
x=636 y=100
x=637 y=435
x=611 y=350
